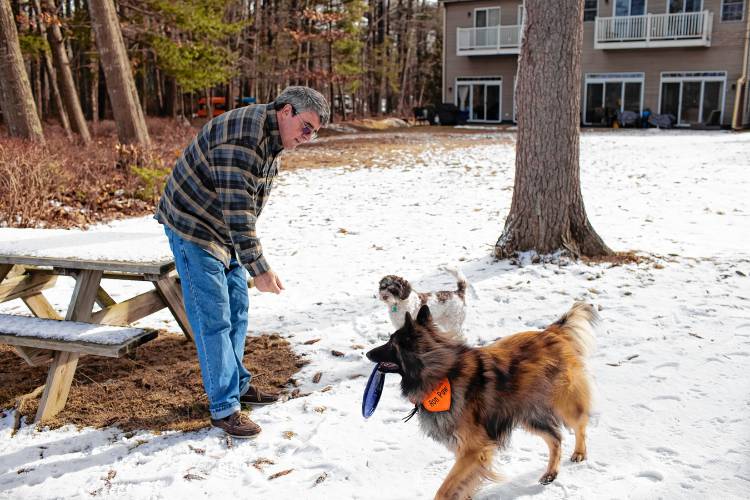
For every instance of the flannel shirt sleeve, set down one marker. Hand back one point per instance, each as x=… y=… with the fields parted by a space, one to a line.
x=234 y=171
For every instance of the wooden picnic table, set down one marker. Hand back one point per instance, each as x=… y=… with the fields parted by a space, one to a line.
x=31 y=261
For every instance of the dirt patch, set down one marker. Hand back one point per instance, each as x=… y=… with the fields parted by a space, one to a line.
x=159 y=389
x=619 y=259
x=381 y=148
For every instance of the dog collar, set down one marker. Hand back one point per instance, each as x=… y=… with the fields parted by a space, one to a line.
x=440 y=397
x=394 y=308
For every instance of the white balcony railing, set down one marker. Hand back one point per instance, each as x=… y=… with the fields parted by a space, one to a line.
x=487 y=41
x=654 y=30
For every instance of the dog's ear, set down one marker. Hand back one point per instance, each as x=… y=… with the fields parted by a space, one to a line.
x=405 y=289
x=408 y=322
x=423 y=316
x=408 y=327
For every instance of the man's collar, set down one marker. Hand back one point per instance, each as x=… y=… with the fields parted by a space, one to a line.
x=272 y=130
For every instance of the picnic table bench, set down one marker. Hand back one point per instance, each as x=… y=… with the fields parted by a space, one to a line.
x=30 y=263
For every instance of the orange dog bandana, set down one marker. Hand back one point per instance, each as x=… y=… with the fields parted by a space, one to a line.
x=440 y=398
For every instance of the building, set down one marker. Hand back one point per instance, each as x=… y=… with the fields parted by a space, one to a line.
x=687 y=58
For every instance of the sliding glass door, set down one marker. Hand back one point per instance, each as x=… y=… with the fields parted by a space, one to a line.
x=608 y=94
x=480 y=99
x=486 y=22
x=693 y=97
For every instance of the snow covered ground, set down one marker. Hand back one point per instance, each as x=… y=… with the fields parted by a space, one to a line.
x=672 y=369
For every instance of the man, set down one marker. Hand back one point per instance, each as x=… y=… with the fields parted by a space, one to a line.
x=211 y=203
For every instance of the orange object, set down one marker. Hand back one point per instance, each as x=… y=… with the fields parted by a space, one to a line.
x=219 y=106
x=440 y=398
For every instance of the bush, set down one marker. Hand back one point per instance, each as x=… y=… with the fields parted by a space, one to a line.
x=62 y=184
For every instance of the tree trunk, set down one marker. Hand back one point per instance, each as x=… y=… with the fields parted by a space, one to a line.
x=64 y=75
x=209 y=103
x=52 y=76
x=547 y=212
x=94 y=69
x=58 y=98
x=331 y=71
x=18 y=102
x=342 y=102
x=37 y=68
x=386 y=61
x=159 y=82
x=131 y=124
x=47 y=108
x=173 y=98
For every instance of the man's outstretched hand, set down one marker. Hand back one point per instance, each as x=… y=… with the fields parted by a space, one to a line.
x=268 y=282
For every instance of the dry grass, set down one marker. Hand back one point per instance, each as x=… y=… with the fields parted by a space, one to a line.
x=159 y=389
x=619 y=259
x=380 y=148
x=64 y=184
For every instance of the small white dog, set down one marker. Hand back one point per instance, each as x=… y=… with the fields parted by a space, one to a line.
x=448 y=308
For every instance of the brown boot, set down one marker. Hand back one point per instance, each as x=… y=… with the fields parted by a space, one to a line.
x=255 y=396
x=237 y=425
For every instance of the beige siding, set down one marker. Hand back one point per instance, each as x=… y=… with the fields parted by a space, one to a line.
x=461 y=15
x=725 y=54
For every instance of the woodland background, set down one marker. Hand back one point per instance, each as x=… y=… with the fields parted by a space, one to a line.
x=369 y=57
x=384 y=54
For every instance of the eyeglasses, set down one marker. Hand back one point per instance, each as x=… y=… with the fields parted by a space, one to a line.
x=307 y=129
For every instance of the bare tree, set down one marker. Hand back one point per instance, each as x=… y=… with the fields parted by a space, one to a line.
x=64 y=75
x=18 y=105
x=547 y=212
x=131 y=124
x=51 y=77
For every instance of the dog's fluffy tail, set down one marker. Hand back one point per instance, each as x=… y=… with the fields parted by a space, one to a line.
x=461 y=283
x=580 y=323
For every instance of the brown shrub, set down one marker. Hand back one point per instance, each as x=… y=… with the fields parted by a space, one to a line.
x=64 y=184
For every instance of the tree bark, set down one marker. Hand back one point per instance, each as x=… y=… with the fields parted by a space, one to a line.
x=94 y=69
x=17 y=100
x=52 y=76
x=37 y=68
x=547 y=213
x=58 y=98
x=64 y=75
x=131 y=124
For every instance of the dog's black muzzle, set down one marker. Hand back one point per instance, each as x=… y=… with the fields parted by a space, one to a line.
x=386 y=359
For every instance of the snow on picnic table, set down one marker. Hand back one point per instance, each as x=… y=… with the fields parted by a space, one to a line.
x=672 y=383
x=120 y=242
x=66 y=330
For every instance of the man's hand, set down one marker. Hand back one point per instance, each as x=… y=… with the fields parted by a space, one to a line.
x=268 y=282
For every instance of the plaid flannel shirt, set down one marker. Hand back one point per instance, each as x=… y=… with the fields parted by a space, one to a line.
x=221 y=183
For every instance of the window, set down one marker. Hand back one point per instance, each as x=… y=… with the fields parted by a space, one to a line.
x=630 y=7
x=680 y=6
x=732 y=10
x=589 y=10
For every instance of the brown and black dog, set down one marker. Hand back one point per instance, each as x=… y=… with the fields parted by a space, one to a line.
x=471 y=399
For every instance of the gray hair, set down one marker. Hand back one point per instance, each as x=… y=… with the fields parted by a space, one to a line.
x=305 y=99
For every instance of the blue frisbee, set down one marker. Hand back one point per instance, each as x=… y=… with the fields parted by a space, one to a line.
x=373 y=390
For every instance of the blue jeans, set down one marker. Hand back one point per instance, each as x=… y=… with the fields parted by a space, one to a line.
x=216 y=302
